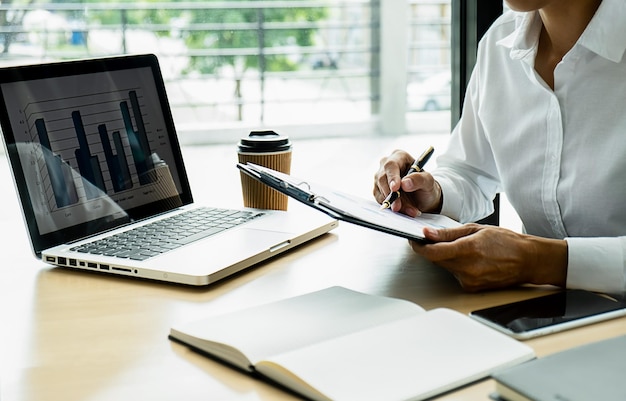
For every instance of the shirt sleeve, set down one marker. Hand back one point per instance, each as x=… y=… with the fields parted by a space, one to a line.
x=597 y=264
x=467 y=171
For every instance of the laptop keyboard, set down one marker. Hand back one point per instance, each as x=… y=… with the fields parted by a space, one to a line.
x=165 y=235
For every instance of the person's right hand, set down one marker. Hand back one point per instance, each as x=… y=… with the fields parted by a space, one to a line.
x=421 y=192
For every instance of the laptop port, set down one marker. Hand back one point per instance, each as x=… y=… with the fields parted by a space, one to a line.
x=92 y=265
x=61 y=260
x=51 y=259
x=104 y=267
x=72 y=262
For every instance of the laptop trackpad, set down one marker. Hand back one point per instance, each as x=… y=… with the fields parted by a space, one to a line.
x=223 y=250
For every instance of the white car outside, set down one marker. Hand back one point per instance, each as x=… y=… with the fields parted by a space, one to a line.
x=433 y=93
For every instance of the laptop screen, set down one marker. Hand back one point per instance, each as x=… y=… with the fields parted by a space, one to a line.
x=92 y=145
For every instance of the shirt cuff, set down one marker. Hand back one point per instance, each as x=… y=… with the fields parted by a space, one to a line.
x=452 y=200
x=596 y=264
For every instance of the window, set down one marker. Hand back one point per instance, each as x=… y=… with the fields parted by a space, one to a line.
x=318 y=67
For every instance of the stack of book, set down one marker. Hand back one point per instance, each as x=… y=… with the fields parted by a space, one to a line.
x=589 y=372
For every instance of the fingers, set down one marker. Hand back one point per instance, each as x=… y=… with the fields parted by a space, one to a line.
x=420 y=191
x=456 y=259
x=448 y=243
x=389 y=175
x=450 y=234
x=480 y=257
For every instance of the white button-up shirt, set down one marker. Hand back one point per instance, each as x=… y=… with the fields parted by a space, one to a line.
x=560 y=155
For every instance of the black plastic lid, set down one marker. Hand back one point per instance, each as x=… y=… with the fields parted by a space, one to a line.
x=264 y=142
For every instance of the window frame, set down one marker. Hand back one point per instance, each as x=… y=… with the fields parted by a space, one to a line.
x=470 y=20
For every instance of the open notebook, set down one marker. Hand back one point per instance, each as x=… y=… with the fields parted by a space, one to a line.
x=339 y=344
x=94 y=154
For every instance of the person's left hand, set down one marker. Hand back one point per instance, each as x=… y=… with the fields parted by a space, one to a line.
x=485 y=257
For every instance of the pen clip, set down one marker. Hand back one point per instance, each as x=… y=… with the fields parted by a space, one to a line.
x=297 y=191
x=294 y=189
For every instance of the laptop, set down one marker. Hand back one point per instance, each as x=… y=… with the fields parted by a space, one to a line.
x=102 y=184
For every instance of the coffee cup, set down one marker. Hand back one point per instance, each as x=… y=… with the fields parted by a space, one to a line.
x=268 y=149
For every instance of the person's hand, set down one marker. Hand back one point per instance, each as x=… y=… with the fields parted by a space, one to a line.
x=485 y=257
x=421 y=193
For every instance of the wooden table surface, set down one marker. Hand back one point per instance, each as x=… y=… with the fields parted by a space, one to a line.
x=69 y=335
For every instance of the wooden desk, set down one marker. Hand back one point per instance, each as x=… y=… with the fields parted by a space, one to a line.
x=69 y=335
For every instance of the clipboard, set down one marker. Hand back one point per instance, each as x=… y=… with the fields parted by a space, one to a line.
x=346 y=207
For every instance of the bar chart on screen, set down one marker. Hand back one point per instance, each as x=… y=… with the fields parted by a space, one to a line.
x=92 y=139
x=105 y=163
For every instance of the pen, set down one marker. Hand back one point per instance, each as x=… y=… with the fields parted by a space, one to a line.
x=417 y=167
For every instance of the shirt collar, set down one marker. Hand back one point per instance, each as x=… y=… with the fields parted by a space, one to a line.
x=606 y=32
x=604 y=35
x=522 y=42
